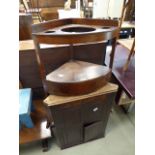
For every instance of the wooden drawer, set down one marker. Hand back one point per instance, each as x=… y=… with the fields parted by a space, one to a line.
x=93 y=131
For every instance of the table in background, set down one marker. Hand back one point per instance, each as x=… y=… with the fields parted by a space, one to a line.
x=125 y=80
x=39 y=132
x=57 y=54
x=127 y=30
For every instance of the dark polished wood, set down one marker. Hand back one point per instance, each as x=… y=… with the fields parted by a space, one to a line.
x=45 y=145
x=81 y=118
x=25 y=22
x=77 y=77
x=112 y=54
x=66 y=31
x=49 y=25
x=126 y=80
x=72 y=39
x=58 y=36
x=53 y=57
x=49 y=13
x=39 y=132
x=40 y=27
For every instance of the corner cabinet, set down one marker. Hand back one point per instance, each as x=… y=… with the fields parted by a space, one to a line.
x=79 y=119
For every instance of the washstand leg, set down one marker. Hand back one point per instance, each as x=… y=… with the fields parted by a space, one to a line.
x=45 y=145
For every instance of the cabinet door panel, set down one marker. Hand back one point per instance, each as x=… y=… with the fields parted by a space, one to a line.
x=93 y=131
x=93 y=109
x=68 y=125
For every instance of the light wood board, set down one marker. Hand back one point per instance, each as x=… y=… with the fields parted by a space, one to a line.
x=53 y=100
x=127 y=43
x=29 y=45
x=127 y=24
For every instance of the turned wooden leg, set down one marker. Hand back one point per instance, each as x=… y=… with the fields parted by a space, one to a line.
x=118 y=95
x=45 y=145
x=48 y=124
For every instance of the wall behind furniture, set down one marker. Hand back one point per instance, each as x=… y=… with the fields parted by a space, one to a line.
x=107 y=8
x=100 y=8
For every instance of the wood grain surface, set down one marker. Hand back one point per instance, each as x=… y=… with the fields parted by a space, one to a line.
x=77 y=78
x=54 y=100
x=57 y=36
x=77 y=71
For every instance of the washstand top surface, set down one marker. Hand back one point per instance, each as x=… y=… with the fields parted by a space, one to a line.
x=77 y=71
x=66 y=31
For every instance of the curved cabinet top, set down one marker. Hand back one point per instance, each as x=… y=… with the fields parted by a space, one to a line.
x=74 y=30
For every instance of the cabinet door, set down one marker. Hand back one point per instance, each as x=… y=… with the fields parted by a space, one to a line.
x=68 y=126
x=93 y=109
x=93 y=131
x=95 y=114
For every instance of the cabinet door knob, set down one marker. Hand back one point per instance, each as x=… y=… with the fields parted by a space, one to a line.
x=95 y=109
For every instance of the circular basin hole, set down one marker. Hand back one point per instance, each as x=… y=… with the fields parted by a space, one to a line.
x=78 y=29
x=50 y=31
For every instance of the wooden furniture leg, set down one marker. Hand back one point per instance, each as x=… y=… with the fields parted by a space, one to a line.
x=112 y=54
x=128 y=108
x=131 y=107
x=45 y=145
x=118 y=95
x=125 y=5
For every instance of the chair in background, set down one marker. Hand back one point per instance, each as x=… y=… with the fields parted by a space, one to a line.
x=32 y=7
x=132 y=52
x=25 y=22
